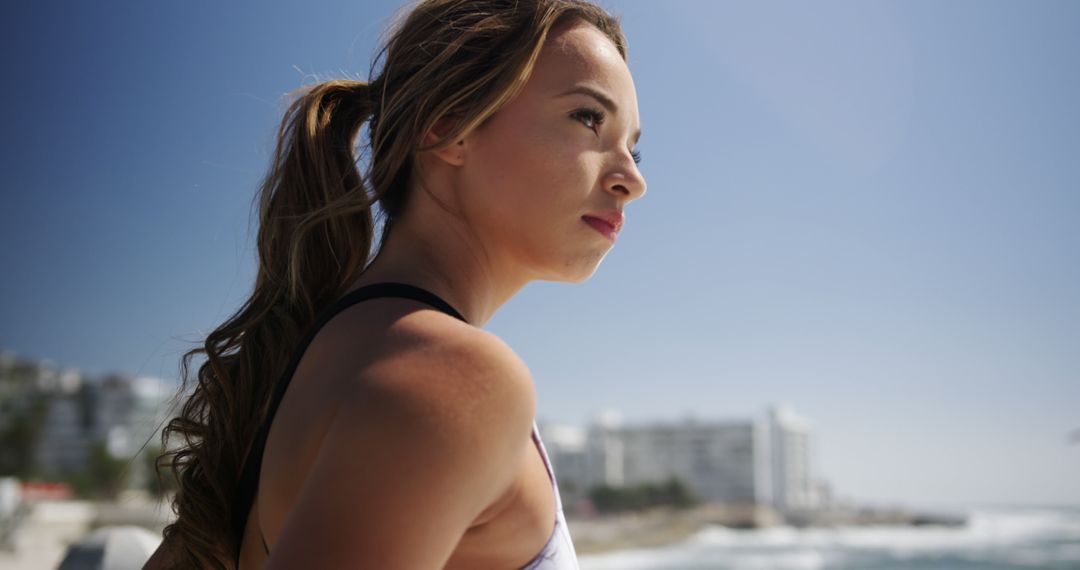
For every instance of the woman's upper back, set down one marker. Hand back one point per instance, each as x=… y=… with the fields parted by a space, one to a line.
x=401 y=430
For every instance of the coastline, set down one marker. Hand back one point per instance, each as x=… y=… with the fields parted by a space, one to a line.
x=661 y=526
x=665 y=526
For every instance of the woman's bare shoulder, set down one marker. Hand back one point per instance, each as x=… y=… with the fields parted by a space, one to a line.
x=431 y=435
x=395 y=348
x=446 y=362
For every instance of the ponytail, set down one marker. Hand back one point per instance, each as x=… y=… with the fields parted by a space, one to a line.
x=315 y=217
x=315 y=234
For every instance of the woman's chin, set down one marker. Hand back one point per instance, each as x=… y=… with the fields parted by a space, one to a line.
x=580 y=270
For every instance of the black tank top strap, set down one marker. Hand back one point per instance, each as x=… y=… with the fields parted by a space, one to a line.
x=248 y=484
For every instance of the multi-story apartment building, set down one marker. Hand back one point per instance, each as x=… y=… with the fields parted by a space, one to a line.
x=764 y=460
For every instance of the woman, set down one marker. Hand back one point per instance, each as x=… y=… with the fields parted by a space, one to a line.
x=500 y=151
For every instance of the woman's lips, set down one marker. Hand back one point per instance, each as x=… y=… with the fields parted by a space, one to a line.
x=608 y=230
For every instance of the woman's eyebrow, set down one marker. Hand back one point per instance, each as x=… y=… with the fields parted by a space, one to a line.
x=603 y=99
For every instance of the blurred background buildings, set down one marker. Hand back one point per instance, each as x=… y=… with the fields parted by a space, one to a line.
x=766 y=460
x=60 y=426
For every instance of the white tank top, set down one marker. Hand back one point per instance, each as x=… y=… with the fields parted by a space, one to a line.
x=558 y=553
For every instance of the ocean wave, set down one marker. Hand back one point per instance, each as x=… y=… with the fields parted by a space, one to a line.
x=1027 y=538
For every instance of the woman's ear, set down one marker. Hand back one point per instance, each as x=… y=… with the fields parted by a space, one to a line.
x=453 y=154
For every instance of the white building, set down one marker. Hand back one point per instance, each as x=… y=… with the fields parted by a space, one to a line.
x=129 y=410
x=765 y=460
x=793 y=486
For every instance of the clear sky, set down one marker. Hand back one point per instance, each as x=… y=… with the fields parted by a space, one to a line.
x=870 y=211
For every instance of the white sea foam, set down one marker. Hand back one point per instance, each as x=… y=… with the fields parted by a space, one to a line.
x=689 y=559
x=1024 y=537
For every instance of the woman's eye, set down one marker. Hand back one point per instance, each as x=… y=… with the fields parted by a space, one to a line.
x=591 y=118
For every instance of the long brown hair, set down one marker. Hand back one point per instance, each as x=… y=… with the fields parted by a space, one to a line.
x=465 y=58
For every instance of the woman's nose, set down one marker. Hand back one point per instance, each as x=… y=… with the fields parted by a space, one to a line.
x=626 y=182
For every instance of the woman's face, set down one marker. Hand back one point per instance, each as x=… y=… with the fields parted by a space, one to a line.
x=558 y=154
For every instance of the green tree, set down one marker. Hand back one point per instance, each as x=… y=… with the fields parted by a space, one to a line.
x=158 y=483
x=104 y=477
x=19 y=438
x=677 y=494
x=671 y=493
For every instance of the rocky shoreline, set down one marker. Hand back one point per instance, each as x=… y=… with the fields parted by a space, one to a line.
x=660 y=526
x=664 y=526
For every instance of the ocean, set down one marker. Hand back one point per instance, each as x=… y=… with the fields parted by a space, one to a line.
x=992 y=539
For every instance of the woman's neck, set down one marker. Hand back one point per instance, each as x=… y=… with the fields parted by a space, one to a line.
x=446 y=262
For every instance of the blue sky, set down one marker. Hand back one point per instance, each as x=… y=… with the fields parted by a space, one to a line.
x=870 y=211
